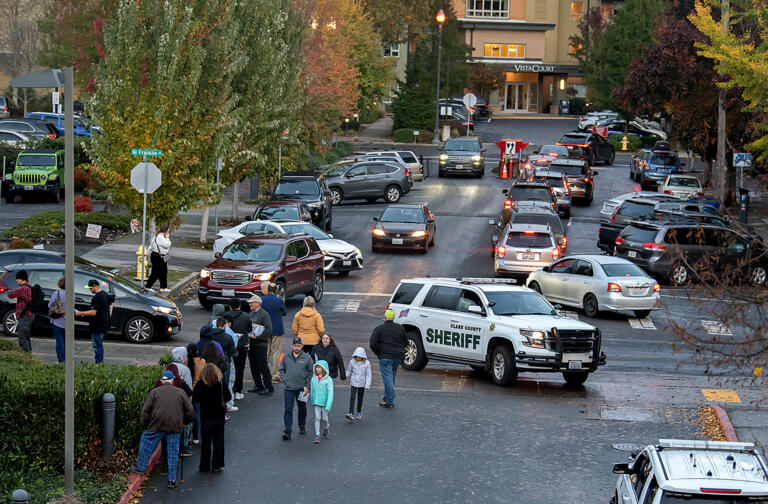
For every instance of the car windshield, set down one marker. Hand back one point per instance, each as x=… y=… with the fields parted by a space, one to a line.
x=530 y=193
x=569 y=170
x=518 y=303
x=404 y=215
x=253 y=252
x=461 y=145
x=297 y=188
x=528 y=239
x=122 y=282
x=554 y=149
x=36 y=160
x=665 y=158
x=287 y=212
x=543 y=219
x=307 y=229
x=574 y=139
x=622 y=270
x=684 y=182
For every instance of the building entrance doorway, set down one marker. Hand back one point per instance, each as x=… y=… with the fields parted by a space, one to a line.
x=516 y=97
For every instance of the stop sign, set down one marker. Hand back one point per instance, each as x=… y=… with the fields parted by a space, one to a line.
x=146 y=178
x=470 y=100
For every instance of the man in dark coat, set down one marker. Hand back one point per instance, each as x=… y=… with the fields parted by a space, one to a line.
x=388 y=343
x=166 y=410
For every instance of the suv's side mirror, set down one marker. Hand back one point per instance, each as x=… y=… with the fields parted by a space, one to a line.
x=475 y=309
x=290 y=259
x=621 y=469
x=505 y=191
x=217 y=255
x=545 y=269
x=375 y=219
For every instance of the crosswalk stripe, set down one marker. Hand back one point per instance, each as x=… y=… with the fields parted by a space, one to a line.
x=644 y=323
x=716 y=328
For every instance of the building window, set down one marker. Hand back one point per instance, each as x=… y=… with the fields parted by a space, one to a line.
x=391 y=93
x=488 y=8
x=391 y=50
x=577 y=9
x=505 y=50
x=573 y=49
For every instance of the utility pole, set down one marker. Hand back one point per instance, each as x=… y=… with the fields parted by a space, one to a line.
x=721 y=168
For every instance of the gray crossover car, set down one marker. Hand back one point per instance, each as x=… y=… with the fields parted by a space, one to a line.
x=367 y=179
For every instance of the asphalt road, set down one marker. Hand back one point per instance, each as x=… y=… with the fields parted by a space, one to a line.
x=454 y=436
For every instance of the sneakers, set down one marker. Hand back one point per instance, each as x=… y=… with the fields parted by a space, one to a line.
x=255 y=390
x=325 y=433
x=302 y=430
x=239 y=396
x=385 y=404
x=196 y=441
x=266 y=392
x=317 y=440
x=286 y=435
x=359 y=416
x=349 y=417
x=172 y=484
x=277 y=380
x=232 y=409
x=186 y=453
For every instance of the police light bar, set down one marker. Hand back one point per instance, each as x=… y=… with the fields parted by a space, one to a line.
x=473 y=280
x=706 y=445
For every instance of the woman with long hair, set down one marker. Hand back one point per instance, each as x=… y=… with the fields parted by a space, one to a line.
x=158 y=257
x=212 y=396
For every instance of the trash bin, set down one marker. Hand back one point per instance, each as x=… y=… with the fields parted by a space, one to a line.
x=563 y=107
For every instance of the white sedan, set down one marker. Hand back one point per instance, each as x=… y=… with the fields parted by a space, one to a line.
x=597 y=283
x=682 y=186
x=340 y=257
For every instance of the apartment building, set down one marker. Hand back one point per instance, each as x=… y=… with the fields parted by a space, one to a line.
x=529 y=40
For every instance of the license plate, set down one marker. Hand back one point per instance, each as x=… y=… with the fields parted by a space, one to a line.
x=228 y=292
x=459 y=166
x=28 y=188
x=397 y=241
x=574 y=364
x=347 y=263
x=631 y=253
x=529 y=257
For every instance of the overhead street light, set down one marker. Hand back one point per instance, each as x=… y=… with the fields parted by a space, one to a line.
x=440 y=18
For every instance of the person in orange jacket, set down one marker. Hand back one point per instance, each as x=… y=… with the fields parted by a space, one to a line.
x=308 y=325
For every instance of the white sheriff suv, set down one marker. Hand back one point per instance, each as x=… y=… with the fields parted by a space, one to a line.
x=492 y=325
x=693 y=472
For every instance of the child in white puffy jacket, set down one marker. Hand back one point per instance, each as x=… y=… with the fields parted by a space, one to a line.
x=359 y=374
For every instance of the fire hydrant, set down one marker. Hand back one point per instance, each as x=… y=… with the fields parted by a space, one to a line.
x=624 y=142
x=140 y=254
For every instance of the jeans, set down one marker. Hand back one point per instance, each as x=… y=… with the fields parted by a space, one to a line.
x=321 y=413
x=213 y=434
x=97 y=340
x=257 y=357
x=58 y=335
x=24 y=331
x=226 y=379
x=275 y=347
x=291 y=397
x=388 y=368
x=242 y=354
x=359 y=392
x=147 y=445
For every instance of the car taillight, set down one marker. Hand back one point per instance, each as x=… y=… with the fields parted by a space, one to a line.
x=527 y=165
x=729 y=491
x=553 y=154
x=613 y=215
x=421 y=169
x=407 y=172
x=585 y=179
x=5 y=109
x=653 y=246
x=656 y=288
x=700 y=194
x=3 y=289
x=507 y=204
x=620 y=240
x=51 y=136
x=555 y=253
x=667 y=191
x=614 y=287
x=501 y=251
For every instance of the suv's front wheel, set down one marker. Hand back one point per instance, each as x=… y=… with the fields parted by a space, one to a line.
x=575 y=378
x=415 y=356
x=503 y=368
x=392 y=194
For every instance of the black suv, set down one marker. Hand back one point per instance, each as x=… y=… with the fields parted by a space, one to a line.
x=581 y=178
x=682 y=250
x=530 y=191
x=311 y=190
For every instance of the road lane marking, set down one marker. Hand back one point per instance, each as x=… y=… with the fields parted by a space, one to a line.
x=716 y=328
x=643 y=323
x=192 y=302
x=721 y=395
x=347 y=306
x=375 y=294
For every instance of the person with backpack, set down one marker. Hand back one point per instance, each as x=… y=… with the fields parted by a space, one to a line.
x=57 y=313
x=100 y=313
x=24 y=313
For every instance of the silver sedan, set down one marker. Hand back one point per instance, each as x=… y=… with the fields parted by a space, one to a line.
x=597 y=283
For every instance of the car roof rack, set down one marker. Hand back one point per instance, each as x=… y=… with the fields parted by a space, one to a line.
x=493 y=281
x=298 y=174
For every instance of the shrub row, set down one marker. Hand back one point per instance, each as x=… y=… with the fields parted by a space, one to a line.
x=49 y=224
x=336 y=152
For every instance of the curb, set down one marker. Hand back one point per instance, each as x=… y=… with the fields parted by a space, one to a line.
x=725 y=423
x=182 y=284
x=136 y=480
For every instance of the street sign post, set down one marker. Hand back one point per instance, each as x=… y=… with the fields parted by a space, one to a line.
x=742 y=160
x=470 y=100
x=145 y=178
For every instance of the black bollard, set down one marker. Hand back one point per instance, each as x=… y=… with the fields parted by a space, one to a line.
x=107 y=425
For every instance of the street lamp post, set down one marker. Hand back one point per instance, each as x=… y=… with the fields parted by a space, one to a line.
x=346 y=126
x=440 y=18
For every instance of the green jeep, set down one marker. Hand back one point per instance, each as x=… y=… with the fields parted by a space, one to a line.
x=36 y=171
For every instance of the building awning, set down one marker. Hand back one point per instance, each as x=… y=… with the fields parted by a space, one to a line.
x=503 y=24
x=529 y=66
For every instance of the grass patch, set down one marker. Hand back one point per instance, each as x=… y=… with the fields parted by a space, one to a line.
x=193 y=243
x=48 y=225
x=47 y=487
x=173 y=275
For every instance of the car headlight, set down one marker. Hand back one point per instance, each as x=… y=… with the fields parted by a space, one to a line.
x=476 y=157
x=443 y=157
x=418 y=234
x=357 y=252
x=378 y=232
x=53 y=176
x=315 y=205
x=163 y=309
x=204 y=273
x=263 y=276
x=534 y=339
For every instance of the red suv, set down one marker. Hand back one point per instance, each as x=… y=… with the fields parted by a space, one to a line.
x=293 y=262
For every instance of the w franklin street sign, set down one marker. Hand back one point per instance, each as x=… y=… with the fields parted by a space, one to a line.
x=146 y=152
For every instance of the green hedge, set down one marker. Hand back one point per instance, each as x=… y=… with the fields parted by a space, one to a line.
x=32 y=402
x=49 y=224
x=403 y=135
x=48 y=487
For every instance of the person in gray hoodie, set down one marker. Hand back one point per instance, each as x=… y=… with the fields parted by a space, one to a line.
x=359 y=373
x=296 y=373
x=179 y=356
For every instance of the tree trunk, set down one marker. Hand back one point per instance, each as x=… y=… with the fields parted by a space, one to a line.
x=151 y=228
x=234 y=201
x=204 y=225
x=707 y=173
